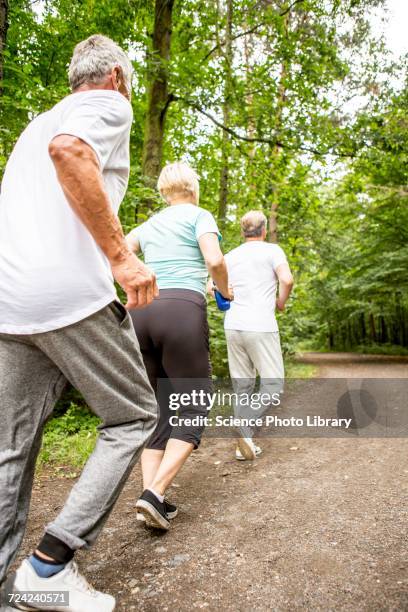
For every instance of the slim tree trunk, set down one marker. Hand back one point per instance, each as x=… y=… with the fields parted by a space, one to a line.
x=372 y=327
x=363 y=332
x=251 y=128
x=4 y=6
x=157 y=97
x=226 y=110
x=276 y=151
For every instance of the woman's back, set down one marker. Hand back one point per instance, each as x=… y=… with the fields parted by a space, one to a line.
x=169 y=242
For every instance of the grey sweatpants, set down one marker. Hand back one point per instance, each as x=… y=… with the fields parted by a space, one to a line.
x=100 y=356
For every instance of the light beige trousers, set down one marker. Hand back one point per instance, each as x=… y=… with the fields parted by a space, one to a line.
x=251 y=354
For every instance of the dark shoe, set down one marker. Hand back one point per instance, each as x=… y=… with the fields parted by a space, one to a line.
x=171 y=509
x=171 y=512
x=153 y=510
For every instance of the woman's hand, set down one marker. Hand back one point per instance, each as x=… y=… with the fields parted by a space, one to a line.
x=210 y=287
x=230 y=295
x=211 y=290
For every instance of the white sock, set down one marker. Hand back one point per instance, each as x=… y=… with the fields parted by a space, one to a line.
x=159 y=497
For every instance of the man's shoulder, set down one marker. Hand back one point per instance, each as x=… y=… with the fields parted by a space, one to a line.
x=236 y=252
x=273 y=249
x=103 y=102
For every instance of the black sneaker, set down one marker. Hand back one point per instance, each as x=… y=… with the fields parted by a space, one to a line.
x=171 y=509
x=171 y=512
x=153 y=510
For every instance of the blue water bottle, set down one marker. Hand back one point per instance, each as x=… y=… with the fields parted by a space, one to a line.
x=222 y=302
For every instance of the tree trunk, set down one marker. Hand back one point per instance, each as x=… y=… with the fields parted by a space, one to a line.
x=383 y=330
x=226 y=110
x=372 y=327
x=363 y=332
x=331 y=337
x=157 y=98
x=251 y=128
x=4 y=6
x=276 y=151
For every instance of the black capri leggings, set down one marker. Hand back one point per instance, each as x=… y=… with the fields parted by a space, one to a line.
x=173 y=338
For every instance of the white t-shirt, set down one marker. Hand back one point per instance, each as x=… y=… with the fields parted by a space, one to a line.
x=52 y=272
x=251 y=272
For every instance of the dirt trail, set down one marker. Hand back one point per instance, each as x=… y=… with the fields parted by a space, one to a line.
x=321 y=527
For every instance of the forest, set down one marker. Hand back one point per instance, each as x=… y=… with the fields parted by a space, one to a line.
x=295 y=107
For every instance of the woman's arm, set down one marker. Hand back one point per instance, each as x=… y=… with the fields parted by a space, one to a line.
x=133 y=242
x=214 y=260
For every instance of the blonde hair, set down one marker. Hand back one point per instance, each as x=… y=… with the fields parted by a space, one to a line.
x=178 y=179
x=252 y=223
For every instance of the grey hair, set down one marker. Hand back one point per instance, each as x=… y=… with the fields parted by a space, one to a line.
x=94 y=58
x=252 y=223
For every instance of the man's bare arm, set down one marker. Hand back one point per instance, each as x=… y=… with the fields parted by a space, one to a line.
x=285 y=279
x=80 y=177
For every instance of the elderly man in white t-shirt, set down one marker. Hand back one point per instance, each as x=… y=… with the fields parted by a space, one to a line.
x=255 y=270
x=61 y=245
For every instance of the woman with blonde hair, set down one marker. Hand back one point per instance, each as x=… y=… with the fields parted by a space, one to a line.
x=181 y=245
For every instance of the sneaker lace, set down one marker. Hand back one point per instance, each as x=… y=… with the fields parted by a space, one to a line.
x=79 y=581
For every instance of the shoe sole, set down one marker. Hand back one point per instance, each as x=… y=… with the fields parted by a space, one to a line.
x=152 y=516
x=170 y=515
x=243 y=458
x=246 y=450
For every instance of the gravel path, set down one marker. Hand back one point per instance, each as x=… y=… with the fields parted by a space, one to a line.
x=313 y=524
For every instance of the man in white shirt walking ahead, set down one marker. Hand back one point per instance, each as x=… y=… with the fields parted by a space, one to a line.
x=255 y=270
x=61 y=245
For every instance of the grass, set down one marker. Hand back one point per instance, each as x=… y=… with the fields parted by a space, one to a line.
x=68 y=440
x=294 y=369
x=381 y=349
x=368 y=349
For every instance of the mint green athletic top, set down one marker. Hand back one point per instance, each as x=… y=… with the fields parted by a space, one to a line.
x=169 y=243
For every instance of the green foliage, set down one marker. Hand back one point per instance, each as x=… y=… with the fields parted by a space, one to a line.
x=317 y=120
x=69 y=438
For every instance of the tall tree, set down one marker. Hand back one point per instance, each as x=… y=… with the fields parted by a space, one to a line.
x=158 y=98
x=3 y=37
x=226 y=110
x=276 y=148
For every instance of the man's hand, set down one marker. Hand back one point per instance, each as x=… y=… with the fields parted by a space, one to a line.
x=136 y=280
x=280 y=304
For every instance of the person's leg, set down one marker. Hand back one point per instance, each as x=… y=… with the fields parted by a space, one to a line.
x=155 y=448
x=151 y=460
x=100 y=356
x=189 y=371
x=153 y=453
x=183 y=336
x=243 y=378
x=29 y=387
x=176 y=454
x=266 y=354
x=240 y=363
